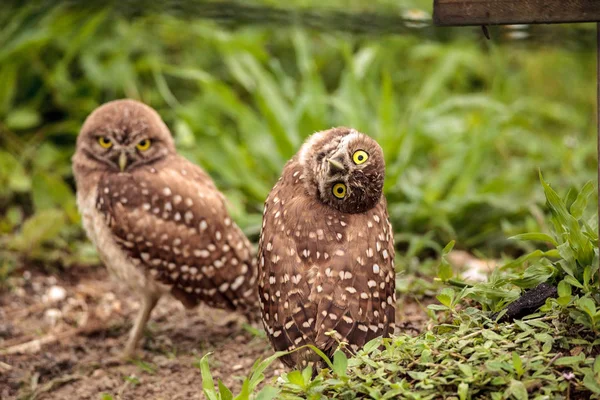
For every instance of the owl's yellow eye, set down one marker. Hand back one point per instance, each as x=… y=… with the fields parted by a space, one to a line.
x=360 y=156
x=339 y=190
x=144 y=145
x=105 y=142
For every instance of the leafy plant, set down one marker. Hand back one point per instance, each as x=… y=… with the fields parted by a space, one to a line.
x=461 y=153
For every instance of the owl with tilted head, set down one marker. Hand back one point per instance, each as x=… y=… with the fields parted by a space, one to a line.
x=157 y=220
x=326 y=251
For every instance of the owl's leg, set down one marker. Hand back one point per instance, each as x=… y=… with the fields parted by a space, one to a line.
x=149 y=300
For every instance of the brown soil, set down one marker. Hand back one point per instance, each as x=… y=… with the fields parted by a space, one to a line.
x=64 y=334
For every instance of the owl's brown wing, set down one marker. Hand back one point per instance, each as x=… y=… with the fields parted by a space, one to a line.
x=322 y=271
x=173 y=223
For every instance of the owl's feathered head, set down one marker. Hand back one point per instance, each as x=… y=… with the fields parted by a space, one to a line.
x=344 y=168
x=121 y=135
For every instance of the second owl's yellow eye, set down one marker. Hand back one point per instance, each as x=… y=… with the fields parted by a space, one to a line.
x=360 y=156
x=144 y=145
x=105 y=142
x=339 y=190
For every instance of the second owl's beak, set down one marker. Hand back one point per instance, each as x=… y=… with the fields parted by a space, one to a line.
x=122 y=161
x=335 y=166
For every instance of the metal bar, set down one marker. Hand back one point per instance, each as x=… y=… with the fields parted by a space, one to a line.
x=497 y=12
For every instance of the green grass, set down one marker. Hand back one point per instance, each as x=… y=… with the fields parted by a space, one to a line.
x=464 y=125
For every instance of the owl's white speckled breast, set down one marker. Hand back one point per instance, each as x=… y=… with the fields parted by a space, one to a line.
x=115 y=259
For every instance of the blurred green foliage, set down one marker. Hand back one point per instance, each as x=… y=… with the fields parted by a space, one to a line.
x=465 y=125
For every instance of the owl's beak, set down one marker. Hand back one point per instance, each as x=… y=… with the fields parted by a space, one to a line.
x=122 y=161
x=335 y=166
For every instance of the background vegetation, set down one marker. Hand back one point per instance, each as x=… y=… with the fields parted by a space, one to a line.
x=466 y=125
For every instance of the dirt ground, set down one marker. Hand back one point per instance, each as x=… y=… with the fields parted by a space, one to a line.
x=60 y=337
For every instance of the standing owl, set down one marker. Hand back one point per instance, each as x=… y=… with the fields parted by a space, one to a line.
x=157 y=220
x=326 y=252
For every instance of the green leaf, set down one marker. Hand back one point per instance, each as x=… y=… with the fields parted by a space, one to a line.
x=259 y=367
x=296 y=378
x=437 y=307
x=448 y=248
x=466 y=370
x=319 y=353
x=597 y=365
x=463 y=390
x=587 y=275
x=245 y=392
x=537 y=236
x=224 y=392
x=445 y=271
x=23 y=118
x=491 y=335
x=42 y=227
x=307 y=373
x=446 y=297
x=587 y=305
x=570 y=360
x=267 y=393
x=340 y=363
x=580 y=203
x=208 y=385
x=591 y=382
x=518 y=390
x=564 y=289
x=573 y=282
x=371 y=345
x=517 y=364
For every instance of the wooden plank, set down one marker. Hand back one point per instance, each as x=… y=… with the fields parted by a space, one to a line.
x=496 y=12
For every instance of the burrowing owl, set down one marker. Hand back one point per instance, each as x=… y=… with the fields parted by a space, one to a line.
x=326 y=252
x=157 y=220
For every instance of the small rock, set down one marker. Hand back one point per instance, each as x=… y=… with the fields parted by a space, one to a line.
x=56 y=293
x=98 y=373
x=237 y=367
x=52 y=316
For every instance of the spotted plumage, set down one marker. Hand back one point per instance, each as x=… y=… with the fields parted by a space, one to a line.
x=158 y=221
x=326 y=252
